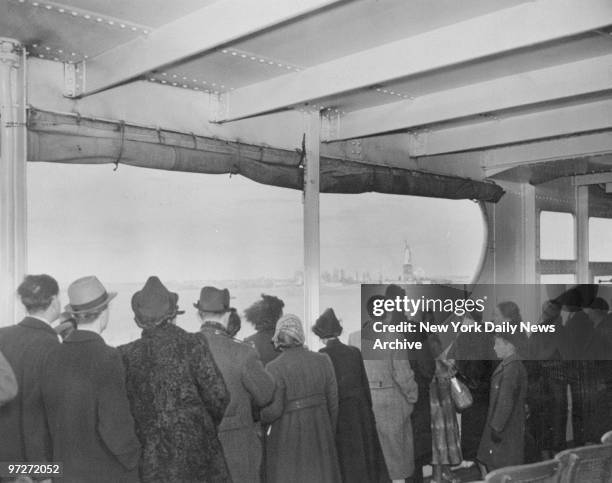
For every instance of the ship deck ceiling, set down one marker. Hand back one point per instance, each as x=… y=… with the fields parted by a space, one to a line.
x=438 y=72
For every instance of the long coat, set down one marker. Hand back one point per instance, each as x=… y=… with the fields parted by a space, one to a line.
x=178 y=398
x=359 y=451
x=25 y=346
x=8 y=382
x=88 y=411
x=394 y=394
x=474 y=359
x=249 y=385
x=506 y=415
x=303 y=415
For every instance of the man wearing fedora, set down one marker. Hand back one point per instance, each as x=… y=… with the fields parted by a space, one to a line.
x=177 y=393
x=25 y=347
x=84 y=393
x=247 y=380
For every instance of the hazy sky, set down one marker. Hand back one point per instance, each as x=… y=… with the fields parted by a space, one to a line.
x=128 y=224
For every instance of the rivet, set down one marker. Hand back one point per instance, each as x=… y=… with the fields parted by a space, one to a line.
x=146 y=32
x=98 y=19
x=35 y=4
x=122 y=25
x=174 y=84
x=61 y=10
x=87 y=16
x=133 y=29
x=244 y=56
x=234 y=53
x=48 y=7
x=74 y=14
x=185 y=86
x=111 y=22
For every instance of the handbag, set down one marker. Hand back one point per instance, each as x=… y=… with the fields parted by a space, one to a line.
x=460 y=394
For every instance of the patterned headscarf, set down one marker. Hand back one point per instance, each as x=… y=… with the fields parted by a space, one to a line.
x=290 y=325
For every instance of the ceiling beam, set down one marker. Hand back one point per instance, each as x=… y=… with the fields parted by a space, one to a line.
x=594 y=178
x=543 y=85
x=513 y=28
x=205 y=29
x=532 y=126
x=490 y=162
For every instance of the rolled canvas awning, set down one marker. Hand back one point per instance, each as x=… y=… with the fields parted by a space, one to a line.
x=67 y=138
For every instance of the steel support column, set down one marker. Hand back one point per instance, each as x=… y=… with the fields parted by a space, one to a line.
x=582 y=234
x=312 y=129
x=13 y=199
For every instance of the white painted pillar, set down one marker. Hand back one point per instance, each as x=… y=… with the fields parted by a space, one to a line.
x=13 y=197
x=312 y=125
x=582 y=234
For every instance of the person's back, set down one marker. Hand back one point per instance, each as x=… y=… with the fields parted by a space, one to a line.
x=176 y=392
x=91 y=426
x=25 y=347
x=249 y=385
x=84 y=393
x=301 y=446
x=359 y=450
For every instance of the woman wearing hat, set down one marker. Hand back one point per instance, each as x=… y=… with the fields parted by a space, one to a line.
x=303 y=414
x=503 y=438
x=176 y=392
x=359 y=451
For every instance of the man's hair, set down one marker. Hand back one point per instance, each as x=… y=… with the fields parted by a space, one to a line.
x=37 y=292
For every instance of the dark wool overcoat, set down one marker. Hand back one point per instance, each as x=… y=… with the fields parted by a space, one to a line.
x=88 y=411
x=249 y=385
x=178 y=398
x=506 y=415
x=25 y=346
x=301 y=447
x=359 y=451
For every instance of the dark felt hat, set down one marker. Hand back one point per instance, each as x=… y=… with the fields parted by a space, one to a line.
x=327 y=325
x=213 y=300
x=154 y=303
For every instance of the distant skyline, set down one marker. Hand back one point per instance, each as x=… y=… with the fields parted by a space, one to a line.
x=128 y=224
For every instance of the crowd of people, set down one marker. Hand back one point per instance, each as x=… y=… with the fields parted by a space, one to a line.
x=174 y=406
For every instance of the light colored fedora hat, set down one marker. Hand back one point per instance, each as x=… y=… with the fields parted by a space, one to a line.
x=86 y=295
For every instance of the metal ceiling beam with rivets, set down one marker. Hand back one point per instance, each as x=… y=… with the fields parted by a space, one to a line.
x=208 y=28
x=542 y=124
x=527 y=88
x=506 y=30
